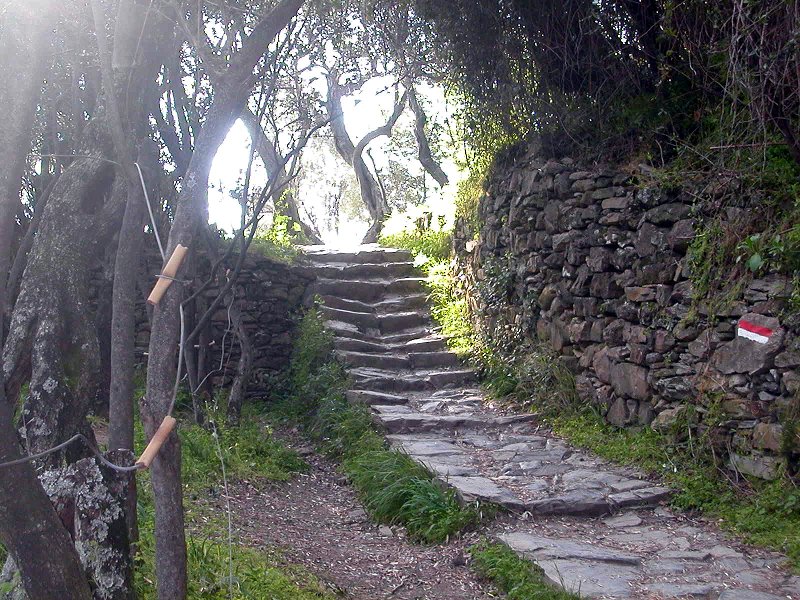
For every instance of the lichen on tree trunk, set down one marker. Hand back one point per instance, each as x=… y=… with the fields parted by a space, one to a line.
x=52 y=337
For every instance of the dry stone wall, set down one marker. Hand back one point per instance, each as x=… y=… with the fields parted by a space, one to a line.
x=269 y=294
x=595 y=263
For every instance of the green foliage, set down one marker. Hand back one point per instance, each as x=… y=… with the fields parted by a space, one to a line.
x=312 y=350
x=395 y=489
x=516 y=577
x=278 y=241
x=249 y=450
x=429 y=246
x=529 y=374
x=257 y=575
x=449 y=308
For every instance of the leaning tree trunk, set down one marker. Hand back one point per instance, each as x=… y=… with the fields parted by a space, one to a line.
x=371 y=193
x=23 y=50
x=228 y=101
x=273 y=162
x=29 y=526
x=52 y=338
x=425 y=155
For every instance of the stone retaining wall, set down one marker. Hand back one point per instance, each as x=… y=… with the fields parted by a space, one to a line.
x=270 y=294
x=595 y=263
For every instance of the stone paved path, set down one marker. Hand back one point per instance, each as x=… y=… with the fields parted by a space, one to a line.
x=593 y=527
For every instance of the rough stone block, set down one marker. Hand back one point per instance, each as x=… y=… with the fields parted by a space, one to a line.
x=605 y=286
x=763 y=467
x=768 y=436
x=640 y=294
x=743 y=355
x=630 y=380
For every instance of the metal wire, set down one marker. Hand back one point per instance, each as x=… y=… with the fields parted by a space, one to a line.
x=62 y=445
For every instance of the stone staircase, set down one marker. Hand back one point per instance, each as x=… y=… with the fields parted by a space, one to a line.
x=591 y=526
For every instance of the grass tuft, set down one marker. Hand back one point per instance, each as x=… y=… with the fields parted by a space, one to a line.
x=396 y=489
x=250 y=451
x=516 y=577
x=429 y=246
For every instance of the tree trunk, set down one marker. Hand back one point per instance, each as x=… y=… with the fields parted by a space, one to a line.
x=23 y=49
x=425 y=155
x=273 y=162
x=228 y=102
x=90 y=498
x=376 y=204
x=52 y=337
x=244 y=369
x=123 y=330
x=30 y=528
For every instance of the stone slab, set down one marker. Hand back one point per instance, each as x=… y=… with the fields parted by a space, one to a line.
x=470 y=489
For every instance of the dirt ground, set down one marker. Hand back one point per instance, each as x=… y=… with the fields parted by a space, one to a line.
x=317 y=521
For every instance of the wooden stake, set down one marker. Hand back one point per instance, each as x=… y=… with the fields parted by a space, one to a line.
x=168 y=274
x=158 y=439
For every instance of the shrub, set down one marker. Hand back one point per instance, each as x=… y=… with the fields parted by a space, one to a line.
x=429 y=246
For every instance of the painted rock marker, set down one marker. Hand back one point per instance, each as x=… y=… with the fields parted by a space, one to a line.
x=751 y=331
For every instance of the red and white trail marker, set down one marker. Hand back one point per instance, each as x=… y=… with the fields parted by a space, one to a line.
x=751 y=331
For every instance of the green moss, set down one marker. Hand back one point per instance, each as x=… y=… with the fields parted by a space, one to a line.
x=516 y=577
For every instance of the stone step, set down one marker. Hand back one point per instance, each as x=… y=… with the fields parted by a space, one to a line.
x=390 y=304
x=401 y=321
x=403 y=420
x=374 y=379
x=594 y=503
x=587 y=568
x=363 y=291
x=348 y=331
x=361 y=319
x=355 y=345
x=423 y=346
x=370 y=398
x=393 y=303
x=429 y=360
x=376 y=361
x=430 y=343
x=385 y=271
x=366 y=254
x=405 y=337
x=407 y=285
